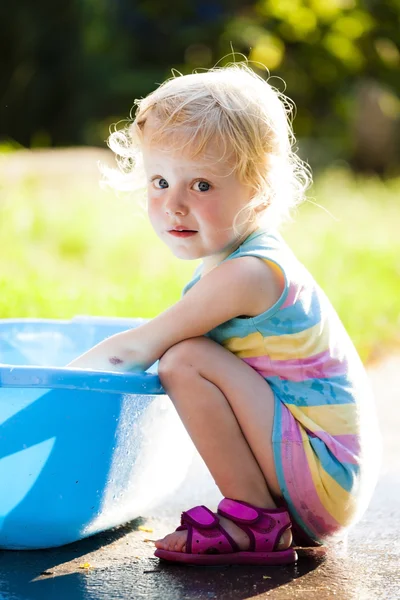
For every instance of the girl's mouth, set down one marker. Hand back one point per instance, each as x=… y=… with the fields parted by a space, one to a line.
x=182 y=233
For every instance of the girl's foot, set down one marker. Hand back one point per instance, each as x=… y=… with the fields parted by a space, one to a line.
x=176 y=541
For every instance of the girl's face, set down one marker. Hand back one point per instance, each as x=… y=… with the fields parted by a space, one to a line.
x=192 y=204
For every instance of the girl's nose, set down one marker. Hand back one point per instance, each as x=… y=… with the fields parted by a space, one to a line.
x=175 y=205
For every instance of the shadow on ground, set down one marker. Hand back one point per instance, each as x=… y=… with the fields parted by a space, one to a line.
x=46 y=574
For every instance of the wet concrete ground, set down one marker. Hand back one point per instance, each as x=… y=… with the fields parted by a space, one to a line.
x=119 y=564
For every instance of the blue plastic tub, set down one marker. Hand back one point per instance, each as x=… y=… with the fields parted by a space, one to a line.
x=80 y=451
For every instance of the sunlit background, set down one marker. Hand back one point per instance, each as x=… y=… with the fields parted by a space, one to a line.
x=70 y=70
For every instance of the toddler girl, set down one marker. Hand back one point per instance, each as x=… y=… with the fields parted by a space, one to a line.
x=253 y=356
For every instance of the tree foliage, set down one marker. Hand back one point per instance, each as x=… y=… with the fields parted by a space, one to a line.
x=70 y=69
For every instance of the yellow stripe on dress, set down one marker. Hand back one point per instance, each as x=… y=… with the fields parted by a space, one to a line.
x=309 y=342
x=335 y=419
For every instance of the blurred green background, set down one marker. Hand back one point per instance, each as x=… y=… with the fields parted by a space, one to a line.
x=70 y=70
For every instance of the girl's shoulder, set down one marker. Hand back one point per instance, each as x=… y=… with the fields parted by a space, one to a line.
x=271 y=247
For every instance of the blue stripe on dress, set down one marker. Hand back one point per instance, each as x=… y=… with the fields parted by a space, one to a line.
x=293 y=319
x=285 y=321
x=345 y=474
x=313 y=392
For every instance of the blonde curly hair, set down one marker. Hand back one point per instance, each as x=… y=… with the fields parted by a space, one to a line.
x=251 y=120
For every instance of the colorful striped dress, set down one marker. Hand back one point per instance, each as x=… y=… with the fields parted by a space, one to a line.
x=325 y=436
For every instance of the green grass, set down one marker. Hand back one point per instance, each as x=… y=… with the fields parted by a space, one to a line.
x=70 y=248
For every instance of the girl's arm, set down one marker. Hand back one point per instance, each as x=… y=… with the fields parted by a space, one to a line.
x=244 y=286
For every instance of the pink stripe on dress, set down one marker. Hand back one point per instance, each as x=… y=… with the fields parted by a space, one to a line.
x=298 y=477
x=346 y=447
x=341 y=452
x=319 y=366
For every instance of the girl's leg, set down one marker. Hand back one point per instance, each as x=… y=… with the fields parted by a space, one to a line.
x=228 y=410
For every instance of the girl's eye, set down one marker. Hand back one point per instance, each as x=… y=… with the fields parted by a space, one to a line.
x=160 y=183
x=201 y=186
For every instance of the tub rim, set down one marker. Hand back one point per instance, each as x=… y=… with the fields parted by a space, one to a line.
x=31 y=376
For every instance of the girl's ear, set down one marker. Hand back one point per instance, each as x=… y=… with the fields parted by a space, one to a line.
x=262 y=206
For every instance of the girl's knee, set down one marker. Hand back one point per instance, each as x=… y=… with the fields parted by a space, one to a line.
x=176 y=361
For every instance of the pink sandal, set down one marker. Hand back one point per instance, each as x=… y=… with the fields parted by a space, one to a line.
x=209 y=544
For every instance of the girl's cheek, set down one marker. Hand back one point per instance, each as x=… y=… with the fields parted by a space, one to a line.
x=153 y=212
x=153 y=205
x=210 y=211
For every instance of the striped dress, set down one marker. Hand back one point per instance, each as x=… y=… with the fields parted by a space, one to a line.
x=325 y=436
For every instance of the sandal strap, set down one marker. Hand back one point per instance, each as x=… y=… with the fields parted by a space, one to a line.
x=263 y=526
x=205 y=534
x=200 y=516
